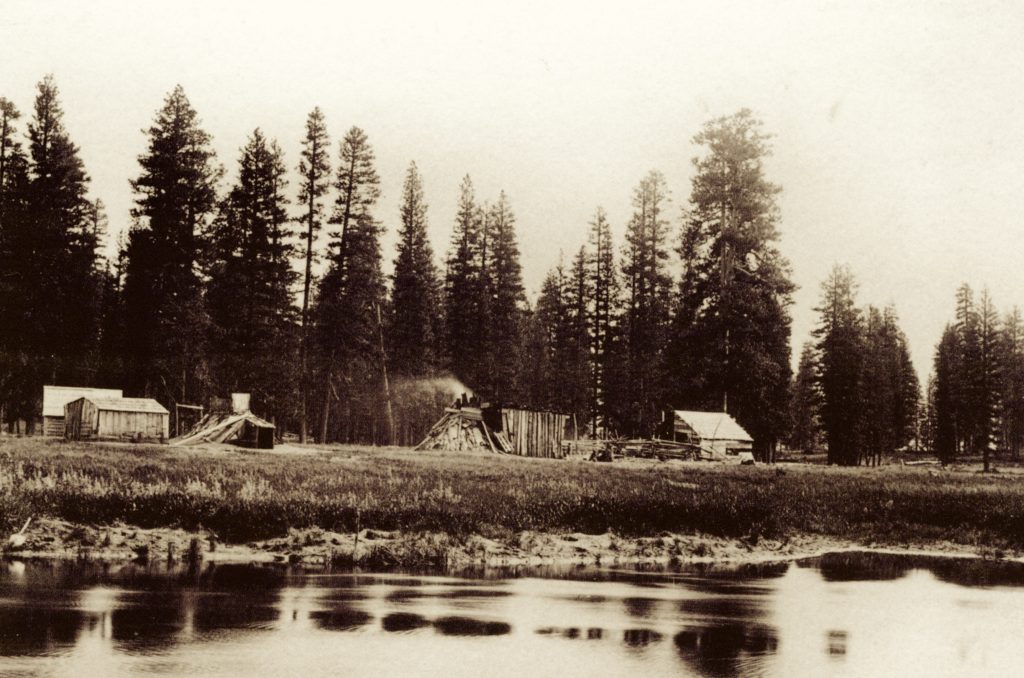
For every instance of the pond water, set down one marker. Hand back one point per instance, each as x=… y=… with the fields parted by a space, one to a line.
x=842 y=615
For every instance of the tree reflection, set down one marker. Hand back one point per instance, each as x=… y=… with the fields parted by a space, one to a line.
x=722 y=650
x=35 y=631
x=465 y=626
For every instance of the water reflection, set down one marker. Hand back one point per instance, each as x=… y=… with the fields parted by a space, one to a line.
x=340 y=618
x=861 y=614
x=836 y=643
x=32 y=631
x=638 y=638
x=465 y=626
x=723 y=650
x=403 y=621
x=148 y=620
x=224 y=611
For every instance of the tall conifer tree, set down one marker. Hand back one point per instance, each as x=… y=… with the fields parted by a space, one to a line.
x=415 y=304
x=730 y=348
x=840 y=339
x=352 y=290
x=176 y=196
x=315 y=178
x=805 y=404
x=501 y=320
x=251 y=279
x=604 y=282
x=464 y=290
x=645 y=317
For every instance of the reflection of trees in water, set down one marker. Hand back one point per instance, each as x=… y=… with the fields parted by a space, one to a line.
x=868 y=566
x=232 y=577
x=466 y=626
x=722 y=650
x=858 y=566
x=742 y=608
x=639 y=638
x=340 y=618
x=977 y=572
x=837 y=644
x=403 y=621
x=215 y=611
x=148 y=619
x=403 y=595
x=640 y=608
x=34 y=631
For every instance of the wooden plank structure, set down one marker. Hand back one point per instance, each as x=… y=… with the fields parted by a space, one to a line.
x=56 y=397
x=230 y=421
x=136 y=419
x=490 y=428
x=534 y=434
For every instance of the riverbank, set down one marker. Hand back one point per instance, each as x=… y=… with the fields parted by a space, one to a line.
x=374 y=549
x=307 y=503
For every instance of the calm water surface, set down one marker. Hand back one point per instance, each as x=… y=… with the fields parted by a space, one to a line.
x=843 y=615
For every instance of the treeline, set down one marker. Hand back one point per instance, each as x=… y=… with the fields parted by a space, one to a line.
x=275 y=286
x=975 y=400
x=855 y=389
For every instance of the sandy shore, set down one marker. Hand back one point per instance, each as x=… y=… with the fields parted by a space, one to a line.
x=51 y=538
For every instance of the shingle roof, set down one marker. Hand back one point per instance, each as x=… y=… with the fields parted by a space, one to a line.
x=714 y=425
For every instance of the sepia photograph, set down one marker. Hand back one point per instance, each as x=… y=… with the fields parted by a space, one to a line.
x=512 y=339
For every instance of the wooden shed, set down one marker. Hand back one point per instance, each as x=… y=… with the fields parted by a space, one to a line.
x=137 y=419
x=56 y=397
x=716 y=433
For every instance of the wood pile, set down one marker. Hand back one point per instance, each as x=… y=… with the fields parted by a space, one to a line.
x=463 y=429
x=489 y=428
x=662 y=450
x=610 y=450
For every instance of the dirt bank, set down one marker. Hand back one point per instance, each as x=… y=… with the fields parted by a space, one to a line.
x=54 y=538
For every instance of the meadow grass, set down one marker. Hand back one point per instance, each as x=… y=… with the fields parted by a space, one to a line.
x=244 y=496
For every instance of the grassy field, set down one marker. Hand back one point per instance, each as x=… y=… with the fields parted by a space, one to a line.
x=244 y=495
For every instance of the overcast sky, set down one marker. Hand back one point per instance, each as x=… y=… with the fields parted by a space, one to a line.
x=899 y=127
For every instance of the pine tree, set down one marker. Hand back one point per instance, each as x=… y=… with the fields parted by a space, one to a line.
x=61 y=263
x=964 y=385
x=352 y=290
x=563 y=315
x=315 y=171
x=502 y=317
x=927 y=436
x=176 y=196
x=944 y=398
x=415 y=323
x=645 y=319
x=604 y=283
x=1011 y=387
x=889 y=387
x=544 y=381
x=907 y=413
x=987 y=376
x=840 y=346
x=805 y=404
x=464 y=291
x=11 y=156
x=249 y=294
x=579 y=304
x=730 y=346
x=16 y=397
